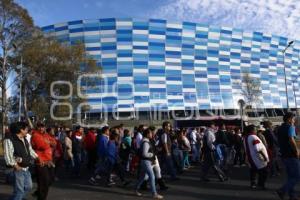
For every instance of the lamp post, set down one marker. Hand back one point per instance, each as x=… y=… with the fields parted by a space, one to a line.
x=15 y=46
x=242 y=103
x=285 y=81
x=295 y=97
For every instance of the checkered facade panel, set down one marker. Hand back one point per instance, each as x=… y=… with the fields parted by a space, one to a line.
x=157 y=64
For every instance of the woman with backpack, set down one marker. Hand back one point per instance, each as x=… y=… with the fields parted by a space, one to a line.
x=148 y=159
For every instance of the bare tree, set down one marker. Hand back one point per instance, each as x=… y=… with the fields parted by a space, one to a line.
x=251 y=90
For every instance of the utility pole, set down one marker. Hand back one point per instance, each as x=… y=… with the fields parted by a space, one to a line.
x=20 y=99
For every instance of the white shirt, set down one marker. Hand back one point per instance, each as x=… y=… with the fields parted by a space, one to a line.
x=164 y=138
x=28 y=138
x=253 y=146
x=210 y=138
x=193 y=137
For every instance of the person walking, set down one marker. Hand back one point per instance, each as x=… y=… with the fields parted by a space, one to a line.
x=18 y=154
x=185 y=147
x=257 y=157
x=68 y=153
x=113 y=162
x=90 y=147
x=41 y=143
x=209 y=155
x=125 y=149
x=147 y=161
x=238 y=147
x=57 y=150
x=166 y=144
x=77 y=148
x=101 y=147
x=222 y=142
x=269 y=136
x=290 y=156
x=193 y=144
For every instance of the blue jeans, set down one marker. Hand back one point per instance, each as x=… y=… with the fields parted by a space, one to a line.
x=185 y=161
x=147 y=168
x=111 y=165
x=77 y=163
x=22 y=184
x=169 y=165
x=292 y=167
x=178 y=159
x=195 y=153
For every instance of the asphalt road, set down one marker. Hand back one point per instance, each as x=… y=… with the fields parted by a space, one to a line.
x=189 y=187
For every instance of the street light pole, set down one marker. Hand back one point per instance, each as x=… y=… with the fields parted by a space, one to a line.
x=295 y=97
x=285 y=81
x=242 y=103
x=20 y=99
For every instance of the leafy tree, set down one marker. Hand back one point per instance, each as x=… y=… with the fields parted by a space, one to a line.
x=15 y=25
x=46 y=61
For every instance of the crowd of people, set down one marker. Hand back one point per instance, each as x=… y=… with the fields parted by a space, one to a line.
x=149 y=154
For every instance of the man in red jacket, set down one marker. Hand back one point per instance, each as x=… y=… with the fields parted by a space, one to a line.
x=41 y=143
x=90 y=147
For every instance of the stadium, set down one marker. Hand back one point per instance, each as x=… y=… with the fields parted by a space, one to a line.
x=157 y=65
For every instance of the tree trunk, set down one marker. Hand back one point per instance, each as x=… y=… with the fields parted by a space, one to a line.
x=26 y=109
x=3 y=110
x=3 y=90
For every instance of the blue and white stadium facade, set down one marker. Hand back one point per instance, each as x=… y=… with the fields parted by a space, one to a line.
x=157 y=64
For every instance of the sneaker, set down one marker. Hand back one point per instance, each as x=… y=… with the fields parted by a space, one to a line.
x=138 y=193
x=223 y=179
x=157 y=196
x=110 y=184
x=253 y=186
x=92 y=181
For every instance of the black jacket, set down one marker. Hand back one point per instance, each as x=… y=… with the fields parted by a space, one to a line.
x=21 y=150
